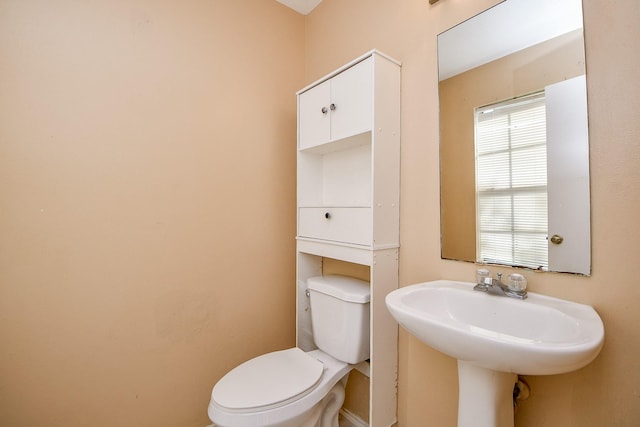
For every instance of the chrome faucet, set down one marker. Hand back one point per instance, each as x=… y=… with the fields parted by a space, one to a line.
x=496 y=287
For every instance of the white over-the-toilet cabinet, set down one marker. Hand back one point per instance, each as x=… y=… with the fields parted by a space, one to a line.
x=348 y=201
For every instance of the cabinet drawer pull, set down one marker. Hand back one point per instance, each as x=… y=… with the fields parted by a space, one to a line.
x=327 y=215
x=332 y=106
x=324 y=110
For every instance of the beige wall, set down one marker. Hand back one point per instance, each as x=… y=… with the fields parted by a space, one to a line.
x=606 y=393
x=147 y=204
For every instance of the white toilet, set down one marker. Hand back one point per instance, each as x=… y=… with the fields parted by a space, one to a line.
x=291 y=388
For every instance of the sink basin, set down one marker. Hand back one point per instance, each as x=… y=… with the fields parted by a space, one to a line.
x=537 y=336
x=496 y=337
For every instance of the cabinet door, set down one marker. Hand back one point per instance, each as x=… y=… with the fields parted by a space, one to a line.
x=352 y=98
x=314 y=116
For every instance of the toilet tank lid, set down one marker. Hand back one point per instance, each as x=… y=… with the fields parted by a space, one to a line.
x=341 y=287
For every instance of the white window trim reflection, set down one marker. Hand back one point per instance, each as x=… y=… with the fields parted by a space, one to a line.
x=511 y=182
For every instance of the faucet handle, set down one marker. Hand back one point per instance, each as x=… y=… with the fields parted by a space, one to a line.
x=517 y=282
x=482 y=274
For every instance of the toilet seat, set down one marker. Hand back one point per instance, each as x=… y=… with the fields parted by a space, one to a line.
x=277 y=378
x=291 y=412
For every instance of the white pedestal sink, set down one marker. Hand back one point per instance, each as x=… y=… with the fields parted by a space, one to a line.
x=495 y=338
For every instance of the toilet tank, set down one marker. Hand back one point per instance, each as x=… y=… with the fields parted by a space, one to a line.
x=340 y=316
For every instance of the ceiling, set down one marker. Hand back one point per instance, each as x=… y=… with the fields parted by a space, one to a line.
x=482 y=39
x=301 y=6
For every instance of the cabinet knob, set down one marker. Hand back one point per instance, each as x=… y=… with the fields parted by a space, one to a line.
x=327 y=215
x=332 y=106
x=324 y=110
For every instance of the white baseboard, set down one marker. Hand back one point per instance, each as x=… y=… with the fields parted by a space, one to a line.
x=352 y=418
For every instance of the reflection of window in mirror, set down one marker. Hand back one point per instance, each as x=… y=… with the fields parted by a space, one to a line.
x=511 y=182
x=532 y=46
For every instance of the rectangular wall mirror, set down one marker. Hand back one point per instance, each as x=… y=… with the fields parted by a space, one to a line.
x=514 y=145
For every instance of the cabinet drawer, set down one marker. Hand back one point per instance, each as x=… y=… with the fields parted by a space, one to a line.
x=346 y=225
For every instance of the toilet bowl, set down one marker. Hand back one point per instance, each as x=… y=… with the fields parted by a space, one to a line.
x=293 y=388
